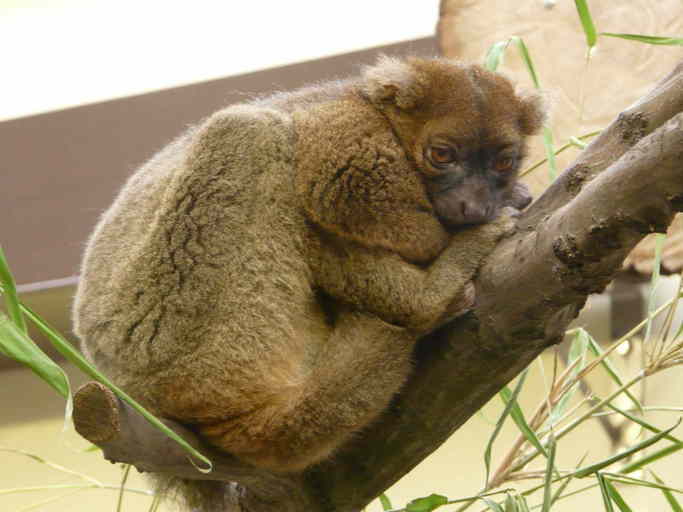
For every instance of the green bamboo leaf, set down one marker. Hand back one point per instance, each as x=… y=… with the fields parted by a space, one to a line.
x=606 y=500
x=72 y=355
x=576 y=142
x=52 y=465
x=17 y=345
x=494 y=56
x=643 y=423
x=566 y=482
x=156 y=503
x=569 y=494
x=557 y=152
x=485 y=419
x=616 y=497
x=3 y=351
x=511 y=504
x=668 y=41
x=9 y=289
x=606 y=363
x=629 y=480
x=673 y=502
x=547 y=132
x=426 y=504
x=550 y=465
x=649 y=459
x=492 y=505
x=550 y=152
x=501 y=420
x=586 y=22
x=593 y=468
x=526 y=57
x=680 y=327
x=519 y=419
x=678 y=334
x=522 y=504
x=385 y=501
x=577 y=351
x=122 y=487
x=492 y=61
x=651 y=305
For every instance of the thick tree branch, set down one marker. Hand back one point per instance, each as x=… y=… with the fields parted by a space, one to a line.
x=626 y=184
x=640 y=119
x=126 y=436
x=532 y=286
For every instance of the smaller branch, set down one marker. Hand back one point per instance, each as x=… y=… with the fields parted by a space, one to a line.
x=125 y=436
x=576 y=249
x=642 y=118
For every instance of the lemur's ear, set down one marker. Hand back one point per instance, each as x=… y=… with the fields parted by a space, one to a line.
x=393 y=82
x=533 y=111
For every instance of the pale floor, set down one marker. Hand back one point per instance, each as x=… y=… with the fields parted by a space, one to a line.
x=32 y=421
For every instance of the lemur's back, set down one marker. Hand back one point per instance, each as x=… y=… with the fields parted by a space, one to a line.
x=189 y=258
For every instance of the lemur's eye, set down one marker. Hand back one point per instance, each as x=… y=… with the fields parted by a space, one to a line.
x=504 y=164
x=441 y=155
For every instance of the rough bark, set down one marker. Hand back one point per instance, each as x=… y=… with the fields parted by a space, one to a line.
x=125 y=436
x=570 y=242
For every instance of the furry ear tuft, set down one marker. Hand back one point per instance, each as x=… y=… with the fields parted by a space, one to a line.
x=533 y=112
x=392 y=81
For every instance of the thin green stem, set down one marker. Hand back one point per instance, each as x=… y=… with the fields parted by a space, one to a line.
x=558 y=151
x=51 y=499
x=469 y=499
x=122 y=488
x=564 y=431
x=646 y=409
x=52 y=465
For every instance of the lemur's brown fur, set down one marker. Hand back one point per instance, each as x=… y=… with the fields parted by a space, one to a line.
x=264 y=278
